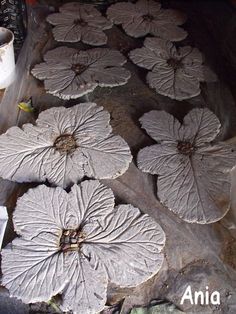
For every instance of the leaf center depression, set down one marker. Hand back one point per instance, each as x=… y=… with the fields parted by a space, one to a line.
x=185 y=148
x=148 y=18
x=71 y=240
x=80 y=22
x=174 y=63
x=78 y=68
x=65 y=144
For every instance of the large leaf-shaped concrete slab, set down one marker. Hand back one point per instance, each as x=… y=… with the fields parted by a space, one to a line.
x=146 y=17
x=174 y=72
x=75 y=243
x=79 y=22
x=70 y=73
x=64 y=146
x=193 y=174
